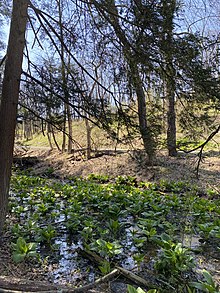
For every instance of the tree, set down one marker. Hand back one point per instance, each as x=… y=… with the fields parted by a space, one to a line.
x=109 y=11
x=167 y=48
x=9 y=101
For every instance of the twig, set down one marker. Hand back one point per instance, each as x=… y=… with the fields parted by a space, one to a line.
x=201 y=148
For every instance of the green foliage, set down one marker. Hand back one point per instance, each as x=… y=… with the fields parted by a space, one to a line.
x=138 y=258
x=132 y=289
x=105 y=267
x=47 y=235
x=208 y=230
x=105 y=248
x=208 y=285
x=23 y=250
x=98 y=178
x=48 y=172
x=126 y=180
x=173 y=259
x=117 y=220
x=186 y=143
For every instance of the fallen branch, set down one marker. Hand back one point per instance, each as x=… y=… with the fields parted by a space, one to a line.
x=103 y=279
x=129 y=275
x=15 y=285
x=92 y=256
x=136 y=279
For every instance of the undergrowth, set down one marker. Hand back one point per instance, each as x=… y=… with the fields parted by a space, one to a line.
x=141 y=226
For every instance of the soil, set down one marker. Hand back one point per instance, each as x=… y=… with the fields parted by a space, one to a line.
x=128 y=163
x=41 y=161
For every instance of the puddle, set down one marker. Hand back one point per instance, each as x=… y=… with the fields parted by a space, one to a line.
x=71 y=267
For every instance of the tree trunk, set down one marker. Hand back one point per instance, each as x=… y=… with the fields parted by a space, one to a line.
x=146 y=135
x=54 y=139
x=49 y=135
x=9 y=101
x=64 y=75
x=169 y=8
x=171 y=119
x=64 y=130
x=88 y=136
x=70 y=129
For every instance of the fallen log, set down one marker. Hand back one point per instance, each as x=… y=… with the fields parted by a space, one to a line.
x=14 y=285
x=92 y=256
x=135 y=278
x=97 y=282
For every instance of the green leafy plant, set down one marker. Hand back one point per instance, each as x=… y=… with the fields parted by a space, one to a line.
x=138 y=258
x=87 y=234
x=132 y=289
x=173 y=259
x=208 y=285
x=208 y=230
x=98 y=178
x=126 y=180
x=114 y=226
x=105 y=267
x=105 y=248
x=47 y=234
x=23 y=250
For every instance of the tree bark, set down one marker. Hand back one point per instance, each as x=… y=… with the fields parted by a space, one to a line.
x=88 y=136
x=64 y=75
x=169 y=8
x=9 y=101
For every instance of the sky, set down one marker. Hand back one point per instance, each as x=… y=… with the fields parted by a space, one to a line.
x=203 y=16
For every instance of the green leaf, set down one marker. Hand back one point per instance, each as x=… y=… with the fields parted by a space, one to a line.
x=202 y=286
x=18 y=257
x=131 y=289
x=32 y=254
x=101 y=242
x=189 y=290
x=208 y=278
x=31 y=246
x=139 y=290
x=109 y=245
x=21 y=245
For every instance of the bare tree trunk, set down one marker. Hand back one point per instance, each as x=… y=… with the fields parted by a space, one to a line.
x=9 y=101
x=49 y=135
x=70 y=129
x=65 y=79
x=54 y=139
x=64 y=130
x=169 y=8
x=148 y=141
x=88 y=136
x=171 y=119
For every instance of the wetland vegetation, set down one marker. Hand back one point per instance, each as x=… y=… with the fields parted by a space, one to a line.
x=167 y=233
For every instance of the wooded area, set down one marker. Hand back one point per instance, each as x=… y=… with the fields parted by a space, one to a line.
x=144 y=72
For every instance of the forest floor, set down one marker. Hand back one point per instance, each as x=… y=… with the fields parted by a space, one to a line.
x=43 y=161
x=127 y=163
